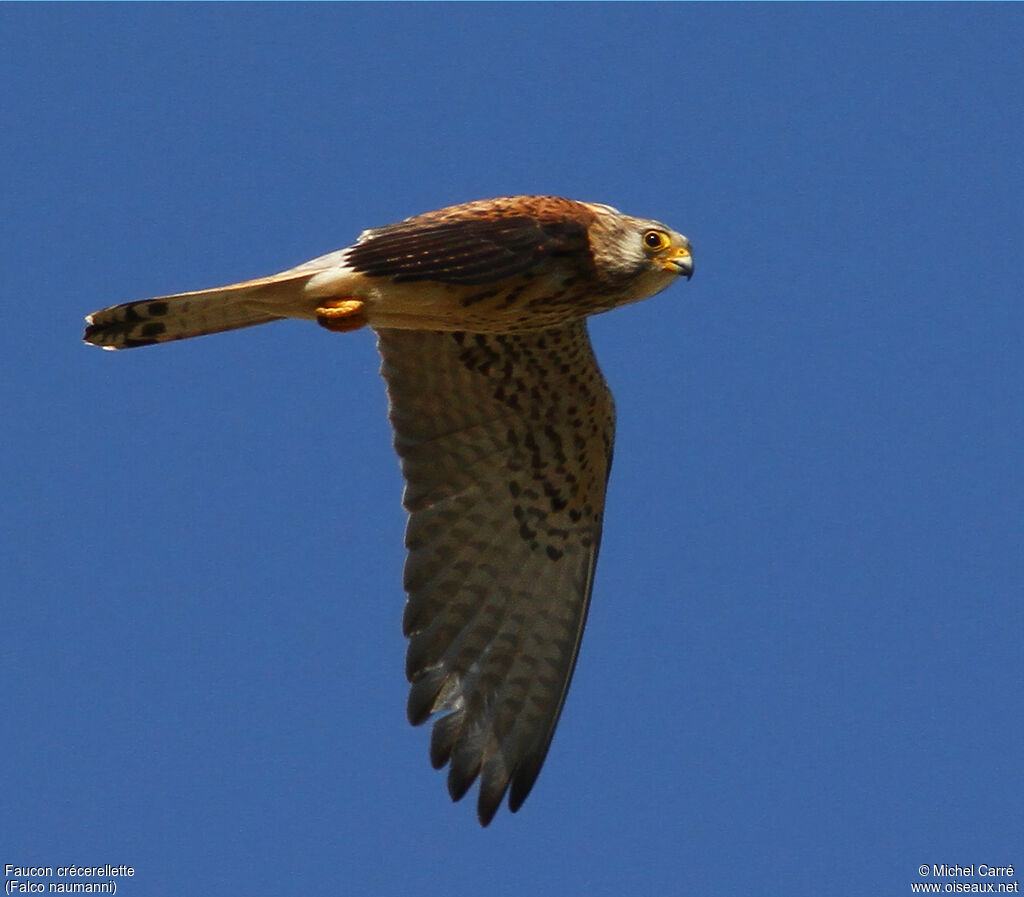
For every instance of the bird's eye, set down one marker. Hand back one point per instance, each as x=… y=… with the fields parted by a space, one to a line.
x=656 y=240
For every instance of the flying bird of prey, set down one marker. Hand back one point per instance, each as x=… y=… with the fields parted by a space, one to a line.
x=504 y=427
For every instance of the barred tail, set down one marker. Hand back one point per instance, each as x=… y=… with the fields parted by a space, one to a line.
x=184 y=315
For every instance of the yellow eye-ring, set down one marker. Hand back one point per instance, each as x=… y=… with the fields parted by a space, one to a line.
x=656 y=240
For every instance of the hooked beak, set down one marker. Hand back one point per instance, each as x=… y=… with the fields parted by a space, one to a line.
x=680 y=262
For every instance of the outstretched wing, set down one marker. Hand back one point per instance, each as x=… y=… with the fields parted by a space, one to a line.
x=506 y=443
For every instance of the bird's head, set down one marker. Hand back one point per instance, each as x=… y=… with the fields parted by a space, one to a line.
x=642 y=257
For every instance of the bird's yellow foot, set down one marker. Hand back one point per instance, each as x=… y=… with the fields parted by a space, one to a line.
x=341 y=315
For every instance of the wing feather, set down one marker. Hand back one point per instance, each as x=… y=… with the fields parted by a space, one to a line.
x=505 y=443
x=469 y=248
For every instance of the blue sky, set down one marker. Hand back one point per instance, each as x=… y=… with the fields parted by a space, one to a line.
x=802 y=671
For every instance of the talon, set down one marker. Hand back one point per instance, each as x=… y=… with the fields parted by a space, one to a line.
x=342 y=315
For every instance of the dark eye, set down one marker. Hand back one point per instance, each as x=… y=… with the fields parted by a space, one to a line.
x=655 y=239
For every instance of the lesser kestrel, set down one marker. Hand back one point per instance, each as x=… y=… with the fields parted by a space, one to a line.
x=504 y=427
